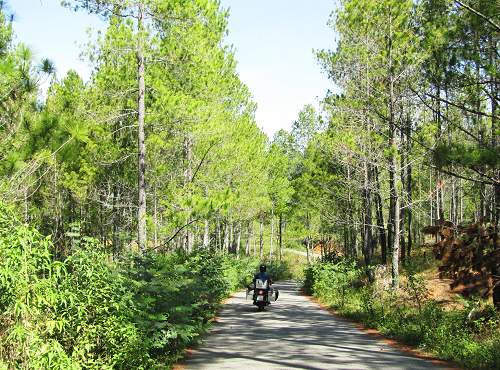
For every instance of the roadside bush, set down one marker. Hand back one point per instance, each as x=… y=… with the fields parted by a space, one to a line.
x=279 y=270
x=91 y=312
x=331 y=280
x=28 y=292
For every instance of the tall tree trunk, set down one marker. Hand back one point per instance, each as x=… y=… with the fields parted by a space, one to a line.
x=441 y=198
x=254 y=240
x=308 y=249
x=409 y=208
x=367 y=213
x=206 y=234
x=226 y=237
x=346 y=241
x=380 y=219
x=188 y=173
x=494 y=93
x=350 y=219
x=231 y=235
x=392 y=206
x=115 y=214
x=261 y=238
x=155 y=219
x=395 y=248
x=249 y=237
x=141 y=108
x=280 y=226
x=367 y=193
x=431 y=200
x=238 y=240
x=219 y=238
x=461 y=200
x=272 y=235
x=402 y=212
x=393 y=164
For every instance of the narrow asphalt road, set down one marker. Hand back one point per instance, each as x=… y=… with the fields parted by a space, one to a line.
x=293 y=333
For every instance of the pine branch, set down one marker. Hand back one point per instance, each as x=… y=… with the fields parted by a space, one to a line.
x=487 y=19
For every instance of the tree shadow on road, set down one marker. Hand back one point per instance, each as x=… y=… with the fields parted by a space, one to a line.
x=293 y=333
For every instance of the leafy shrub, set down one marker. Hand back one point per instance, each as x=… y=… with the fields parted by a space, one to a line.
x=331 y=280
x=28 y=291
x=279 y=270
x=91 y=312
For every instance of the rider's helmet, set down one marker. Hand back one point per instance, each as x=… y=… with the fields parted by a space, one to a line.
x=262 y=268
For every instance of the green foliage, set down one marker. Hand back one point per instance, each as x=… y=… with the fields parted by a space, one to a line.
x=91 y=312
x=28 y=295
x=467 y=156
x=407 y=315
x=279 y=270
x=331 y=280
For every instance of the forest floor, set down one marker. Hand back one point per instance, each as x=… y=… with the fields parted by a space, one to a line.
x=440 y=291
x=293 y=333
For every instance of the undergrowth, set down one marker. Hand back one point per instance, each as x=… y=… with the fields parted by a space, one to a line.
x=469 y=336
x=90 y=311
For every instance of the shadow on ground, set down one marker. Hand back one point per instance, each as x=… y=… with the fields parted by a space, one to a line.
x=293 y=333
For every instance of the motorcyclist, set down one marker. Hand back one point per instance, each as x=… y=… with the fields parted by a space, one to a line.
x=262 y=275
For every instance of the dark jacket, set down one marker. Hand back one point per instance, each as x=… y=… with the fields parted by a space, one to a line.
x=262 y=276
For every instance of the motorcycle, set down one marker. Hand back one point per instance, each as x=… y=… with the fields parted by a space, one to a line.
x=262 y=294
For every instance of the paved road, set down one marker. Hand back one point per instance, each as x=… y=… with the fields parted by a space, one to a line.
x=293 y=333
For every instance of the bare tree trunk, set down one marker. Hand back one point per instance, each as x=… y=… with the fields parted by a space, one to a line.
x=461 y=198
x=366 y=193
x=392 y=206
x=116 y=221
x=231 y=235
x=393 y=164
x=219 y=238
x=346 y=241
x=206 y=234
x=238 y=240
x=254 y=238
x=380 y=219
x=494 y=94
x=261 y=239
x=395 y=248
x=26 y=219
x=226 y=237
x=431 y=214
x=249 y=236
x=281 y=235
x=188 y=152
x=402 y=212
x=272 y=234
x=409 y=210
x=350 y=220
x=308 y=249
x=141 y=108
x=367 y=215
x=155 y=221
x=441 y=198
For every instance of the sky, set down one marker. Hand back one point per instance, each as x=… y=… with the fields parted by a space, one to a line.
x=273 y=39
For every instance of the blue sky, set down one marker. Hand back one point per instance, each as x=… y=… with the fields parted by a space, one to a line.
x=274 y=40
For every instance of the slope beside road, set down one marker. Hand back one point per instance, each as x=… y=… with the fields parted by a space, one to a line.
x=293 y=333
